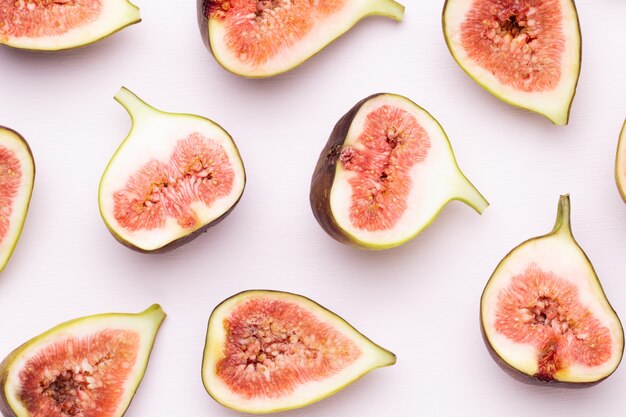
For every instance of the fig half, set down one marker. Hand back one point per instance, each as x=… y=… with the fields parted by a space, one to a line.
x=525 y=52
x=544 y=314
x=269 y=351
x=53 y=25
x=386 y=172
x=87 y=367
x=174 y=176
x=17 y=177
x=263 y=38
x=620 y=163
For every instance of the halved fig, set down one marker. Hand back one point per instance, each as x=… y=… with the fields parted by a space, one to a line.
x=17 y=177
x=544 y=314
x=525 y=52
x=263 y=38
x=620 y=163
x=173 y=177
x=53 y=25
x=386 y=172
x=269 y=351
x=89 y=367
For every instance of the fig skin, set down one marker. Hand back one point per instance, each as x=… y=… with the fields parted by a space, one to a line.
x=261 y=292
x=22 y=139
x=84 y=44
x=622 y=138
x=325 y=172
x=501 y=97
x=324 y=176
x=5 y=365
x=175 y=244
x=529 y=379
x=510 y=370
x=203 y=23
x=4 y=407
x=178 y=242
x=30 y=152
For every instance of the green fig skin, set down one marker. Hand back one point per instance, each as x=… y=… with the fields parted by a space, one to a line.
x=84 y=44
x=563 y=121
x=391 y=358
x=21 y=138
x=5 y=366
x=621 y=146
x=562 y=222
x=203 y=23
x=30 y=152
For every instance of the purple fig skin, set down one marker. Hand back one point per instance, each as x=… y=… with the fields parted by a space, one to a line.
x=324 y=175
x=564 y=204
x=531 y=379
x=521 y=376
x=178 y=242
x=5 y=410
x=175 y=244
x=203 y=22
x=185 y=239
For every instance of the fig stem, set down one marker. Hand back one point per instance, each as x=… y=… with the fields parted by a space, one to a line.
x=563 y=223
x=156 y=311
x=472 y=197
x=389 y=8
x=132 y=103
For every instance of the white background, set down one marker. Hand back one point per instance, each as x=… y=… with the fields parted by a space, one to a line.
x=420 y=300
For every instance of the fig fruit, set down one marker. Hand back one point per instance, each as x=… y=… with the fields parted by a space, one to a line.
x=17 y=177
x=620 y=163
x=544 y=314
x=173 y=177
x=386 y=172
x=525 y=52
x=89 y=367
x=263 y=38
x=269 y=351
x=53 y=25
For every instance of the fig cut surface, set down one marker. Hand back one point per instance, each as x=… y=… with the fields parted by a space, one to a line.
x=386 y=172
x=262 y=38
x=17 y=177
x=173 y=177
x=544 y=315
x=88 y=367
x=620 y=163
x=525 y=52
x=269 y=351
x=53 y=25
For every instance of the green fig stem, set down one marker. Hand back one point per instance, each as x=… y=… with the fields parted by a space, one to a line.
x=155 y=311
x=133 y=104
x=563 y=223
x=472 y=197
x=388 y=8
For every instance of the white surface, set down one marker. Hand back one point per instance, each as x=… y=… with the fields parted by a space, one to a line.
x=420 y=300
